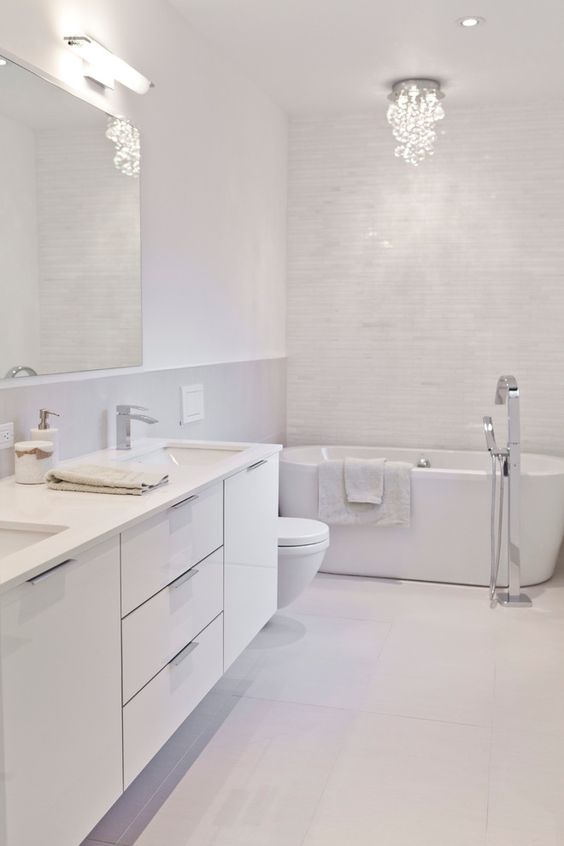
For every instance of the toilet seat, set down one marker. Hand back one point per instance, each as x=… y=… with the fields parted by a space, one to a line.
x=296 y=532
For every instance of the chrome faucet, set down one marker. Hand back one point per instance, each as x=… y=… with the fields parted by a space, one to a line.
x=124 y=417
x=507 y=393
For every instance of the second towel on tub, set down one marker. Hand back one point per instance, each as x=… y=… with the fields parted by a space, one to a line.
x=394 y=510
x=364 y=479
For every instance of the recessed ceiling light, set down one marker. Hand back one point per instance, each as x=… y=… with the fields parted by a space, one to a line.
x=2 y=61
x=468 y=23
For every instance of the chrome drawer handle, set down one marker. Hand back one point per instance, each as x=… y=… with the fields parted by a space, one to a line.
x=258 y=464
x=183 y=579
x=184 y=653
x=192 y=498
x=42 y=576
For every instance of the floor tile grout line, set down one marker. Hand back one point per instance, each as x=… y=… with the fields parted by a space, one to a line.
x=459 y=723
x=355 y=619
x=361 y=710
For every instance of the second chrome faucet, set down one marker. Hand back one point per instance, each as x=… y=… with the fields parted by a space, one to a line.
x=124 y=415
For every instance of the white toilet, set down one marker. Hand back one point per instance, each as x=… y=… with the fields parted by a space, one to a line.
x=301 y=549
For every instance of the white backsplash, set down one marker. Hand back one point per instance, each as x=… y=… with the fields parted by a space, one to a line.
x=412 y=289
x=244 y=401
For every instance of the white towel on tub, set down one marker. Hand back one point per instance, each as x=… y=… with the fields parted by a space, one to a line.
x=395 y=509
x=364 y=479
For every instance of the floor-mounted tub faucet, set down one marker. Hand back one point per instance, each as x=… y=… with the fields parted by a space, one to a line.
x=507 y=393
x=124 y=416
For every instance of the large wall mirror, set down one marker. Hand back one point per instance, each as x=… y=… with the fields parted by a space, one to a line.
x=69 y=232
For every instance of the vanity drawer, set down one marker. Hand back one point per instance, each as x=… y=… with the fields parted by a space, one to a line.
x=158 y=629
x=152 y=716
x=155 y=553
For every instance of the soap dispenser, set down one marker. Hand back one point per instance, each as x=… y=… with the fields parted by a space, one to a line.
x=44 y=432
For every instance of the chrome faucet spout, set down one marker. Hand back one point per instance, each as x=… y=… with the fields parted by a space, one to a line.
x=124 y=415
x=507 y=393
x=144 y=418
x=505 y=384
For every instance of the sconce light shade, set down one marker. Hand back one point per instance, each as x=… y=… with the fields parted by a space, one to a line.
x=104 y=67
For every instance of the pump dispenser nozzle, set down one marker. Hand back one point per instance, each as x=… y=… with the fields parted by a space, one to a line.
x=44 y=415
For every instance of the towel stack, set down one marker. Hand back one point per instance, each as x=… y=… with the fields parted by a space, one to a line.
x=94 y=478
x=357 y=491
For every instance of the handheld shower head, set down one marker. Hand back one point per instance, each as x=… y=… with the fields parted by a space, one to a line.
x=491 y=443
x=489 y=433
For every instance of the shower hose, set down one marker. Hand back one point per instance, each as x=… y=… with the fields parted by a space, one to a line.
x=496 y=537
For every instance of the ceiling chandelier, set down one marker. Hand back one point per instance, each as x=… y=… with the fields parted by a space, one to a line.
x=127 y=142
x=414 y=110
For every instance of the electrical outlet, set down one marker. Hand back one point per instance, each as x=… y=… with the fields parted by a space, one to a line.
x=6 y=435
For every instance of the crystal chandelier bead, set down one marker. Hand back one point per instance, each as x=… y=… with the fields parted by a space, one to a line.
x=413 y=112
x=127 y=142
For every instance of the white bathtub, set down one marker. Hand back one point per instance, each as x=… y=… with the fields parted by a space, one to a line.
x=449 y=536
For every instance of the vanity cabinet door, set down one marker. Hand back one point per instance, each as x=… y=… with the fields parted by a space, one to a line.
x=250 y=554
x=60 y=717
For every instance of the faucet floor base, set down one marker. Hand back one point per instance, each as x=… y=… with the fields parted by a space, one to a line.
x=521 y=601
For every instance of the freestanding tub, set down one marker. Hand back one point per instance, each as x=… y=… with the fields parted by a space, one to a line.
x=449 y=536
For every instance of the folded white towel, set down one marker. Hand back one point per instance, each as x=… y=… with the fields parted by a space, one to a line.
x=96 y=478
x=334 y=508
x=364 y=479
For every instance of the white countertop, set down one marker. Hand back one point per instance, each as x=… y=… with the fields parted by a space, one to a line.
x=89 y=518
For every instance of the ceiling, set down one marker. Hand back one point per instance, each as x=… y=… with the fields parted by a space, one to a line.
x=334 y=55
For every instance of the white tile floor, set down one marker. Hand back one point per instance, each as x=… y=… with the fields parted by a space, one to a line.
x=371 y=713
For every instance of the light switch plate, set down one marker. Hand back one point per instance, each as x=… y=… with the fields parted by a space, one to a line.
x=6 y=435
x=191 y=404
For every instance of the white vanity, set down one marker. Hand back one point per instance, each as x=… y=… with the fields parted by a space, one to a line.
x=117 y=621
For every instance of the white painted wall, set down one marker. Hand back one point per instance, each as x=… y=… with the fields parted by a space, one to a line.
x=214 y=175
x=412 y=290
x=19 y=283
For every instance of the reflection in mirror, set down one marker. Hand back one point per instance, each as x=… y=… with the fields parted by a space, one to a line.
x=69 y=232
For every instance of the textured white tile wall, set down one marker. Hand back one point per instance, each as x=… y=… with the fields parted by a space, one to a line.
x=411 y=290
x=89 y=254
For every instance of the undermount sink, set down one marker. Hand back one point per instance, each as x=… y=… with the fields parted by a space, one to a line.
x=17 y=536
x=181 y=456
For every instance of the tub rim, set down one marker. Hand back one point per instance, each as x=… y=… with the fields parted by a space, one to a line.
x=431 y=472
